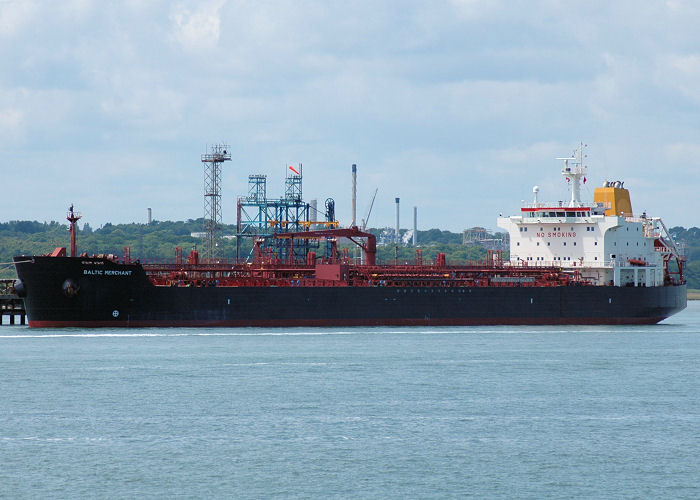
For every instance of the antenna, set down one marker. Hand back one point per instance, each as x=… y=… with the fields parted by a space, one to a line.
x=574 y=172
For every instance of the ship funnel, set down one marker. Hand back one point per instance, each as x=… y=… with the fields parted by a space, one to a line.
x=614 y=197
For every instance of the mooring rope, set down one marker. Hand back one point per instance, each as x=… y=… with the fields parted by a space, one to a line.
x=15 y=262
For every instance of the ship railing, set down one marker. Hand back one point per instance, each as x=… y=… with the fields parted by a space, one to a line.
x=542 y=264
x=555 y=204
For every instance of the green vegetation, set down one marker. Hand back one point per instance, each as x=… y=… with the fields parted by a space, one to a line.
x=689 y=241
x=158 y=240
x=454 y=253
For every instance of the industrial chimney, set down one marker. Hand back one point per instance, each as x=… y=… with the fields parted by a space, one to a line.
x=397 y=221
x=415 y=226
x=354 y=196
x=313 y=215
x=150 y=213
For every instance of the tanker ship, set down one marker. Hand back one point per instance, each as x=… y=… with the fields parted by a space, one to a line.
x=570 y=262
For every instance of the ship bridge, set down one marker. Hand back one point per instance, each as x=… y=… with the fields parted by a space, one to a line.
x=602 y=240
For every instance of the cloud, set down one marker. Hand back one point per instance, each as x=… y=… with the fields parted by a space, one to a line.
x=143 y=106
x=681 y=73
x=11 y=125
x=530 y=154
x=475 y=9
x=431 y=100
x=200 y=29
x=28 y=113
x=14 y=16
x=684 y=153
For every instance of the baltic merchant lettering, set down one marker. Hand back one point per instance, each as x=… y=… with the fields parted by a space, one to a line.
x=106 y=272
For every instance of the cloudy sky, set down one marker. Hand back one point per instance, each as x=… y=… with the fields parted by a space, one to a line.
x=458 y=107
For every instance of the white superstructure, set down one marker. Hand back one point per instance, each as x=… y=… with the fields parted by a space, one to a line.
x=602 y=240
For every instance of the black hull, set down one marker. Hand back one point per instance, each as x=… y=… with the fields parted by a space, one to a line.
x=122 y=296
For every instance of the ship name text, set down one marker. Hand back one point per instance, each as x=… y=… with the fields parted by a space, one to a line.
x=105 y=272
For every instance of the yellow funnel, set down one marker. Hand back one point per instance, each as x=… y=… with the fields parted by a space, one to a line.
x=616 y=200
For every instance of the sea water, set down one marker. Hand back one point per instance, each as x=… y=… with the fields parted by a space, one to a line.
x=482 y=412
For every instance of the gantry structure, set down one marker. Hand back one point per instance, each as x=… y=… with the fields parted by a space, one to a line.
x=212 y=161
x=260 y=217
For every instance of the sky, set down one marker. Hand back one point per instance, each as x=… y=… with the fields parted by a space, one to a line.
x=458 y=107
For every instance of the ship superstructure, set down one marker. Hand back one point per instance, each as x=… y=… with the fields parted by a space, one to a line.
x=602 y=240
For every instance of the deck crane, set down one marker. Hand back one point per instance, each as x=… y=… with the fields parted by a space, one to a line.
x=369 y=210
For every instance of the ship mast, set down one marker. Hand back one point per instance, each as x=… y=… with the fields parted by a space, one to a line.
x=573 y=171
x=73 y=217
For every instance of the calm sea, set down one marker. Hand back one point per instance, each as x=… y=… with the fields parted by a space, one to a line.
x=492 y=412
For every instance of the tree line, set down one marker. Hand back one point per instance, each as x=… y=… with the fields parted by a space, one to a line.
x=157 y=242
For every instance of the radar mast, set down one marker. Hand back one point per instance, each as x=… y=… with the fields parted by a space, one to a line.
x=573 y=171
